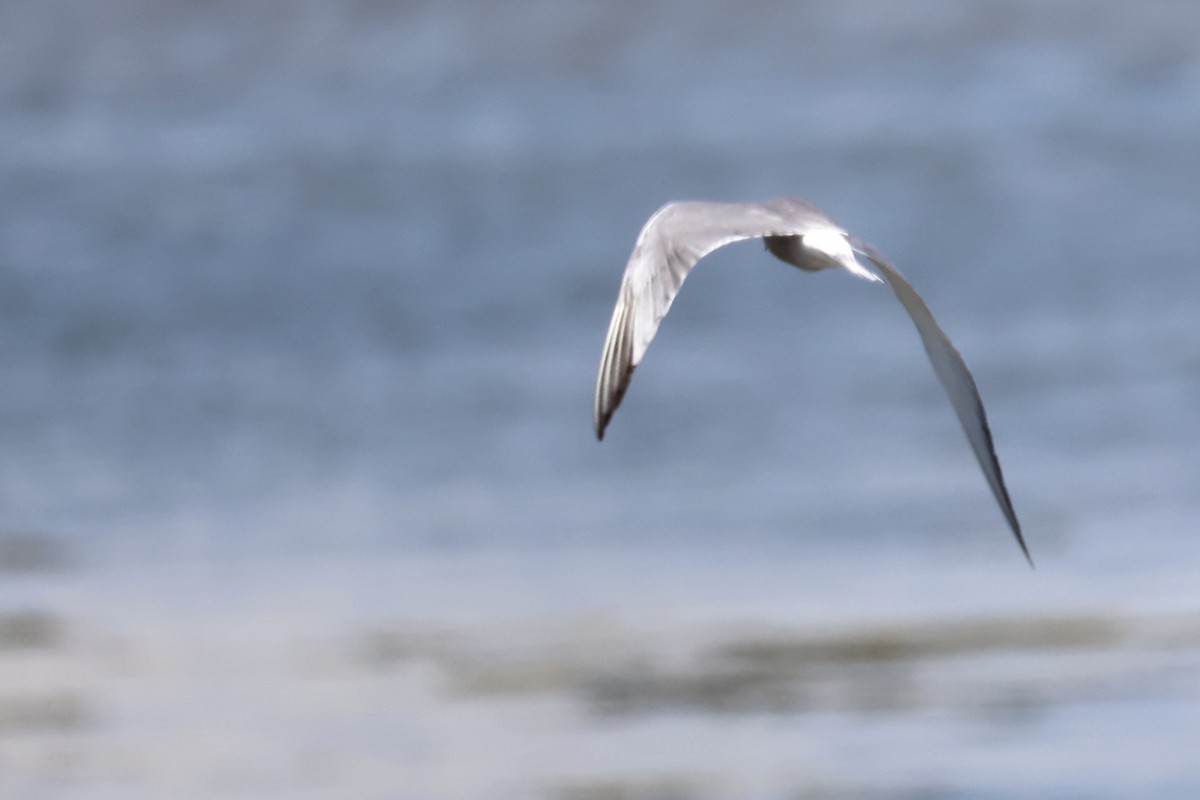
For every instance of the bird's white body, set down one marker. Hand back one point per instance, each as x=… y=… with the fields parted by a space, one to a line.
x=679 y=234
x=828 y=248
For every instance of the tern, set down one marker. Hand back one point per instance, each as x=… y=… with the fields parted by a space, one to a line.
x=679 y=234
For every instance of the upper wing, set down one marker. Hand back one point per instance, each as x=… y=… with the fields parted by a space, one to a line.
x=956 y=379
x=669 y=245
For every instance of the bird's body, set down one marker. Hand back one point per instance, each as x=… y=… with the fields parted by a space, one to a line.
x=679 y=234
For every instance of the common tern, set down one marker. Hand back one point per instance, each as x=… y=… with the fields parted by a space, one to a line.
x=679 y=234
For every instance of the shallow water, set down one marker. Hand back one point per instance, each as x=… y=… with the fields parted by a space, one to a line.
x=300 y=310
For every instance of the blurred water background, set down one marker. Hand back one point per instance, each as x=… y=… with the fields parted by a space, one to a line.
x=300 y=310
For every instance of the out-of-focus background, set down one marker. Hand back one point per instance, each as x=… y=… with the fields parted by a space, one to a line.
x=300 y=310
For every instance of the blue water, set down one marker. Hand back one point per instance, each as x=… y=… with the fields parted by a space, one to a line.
x=293 y=281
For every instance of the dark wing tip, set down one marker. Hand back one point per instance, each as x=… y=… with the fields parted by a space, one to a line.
x=608 y=402
x=1000 y=489
x=1016 y=529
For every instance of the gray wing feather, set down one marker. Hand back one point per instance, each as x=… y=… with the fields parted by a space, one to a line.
x=956 y=379
x=676 y=237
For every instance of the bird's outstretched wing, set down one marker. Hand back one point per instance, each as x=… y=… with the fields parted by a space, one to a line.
x=955 y=378
x=669 y=245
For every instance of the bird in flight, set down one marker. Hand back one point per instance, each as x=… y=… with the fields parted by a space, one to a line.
x=680 y=234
